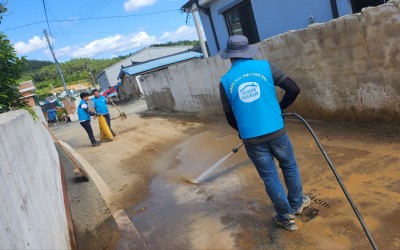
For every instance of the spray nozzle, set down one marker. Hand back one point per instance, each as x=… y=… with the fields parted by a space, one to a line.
x=236 y=149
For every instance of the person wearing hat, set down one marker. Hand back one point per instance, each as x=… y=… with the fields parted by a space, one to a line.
x=100 y=105
x=251 y=107
x=84 y=114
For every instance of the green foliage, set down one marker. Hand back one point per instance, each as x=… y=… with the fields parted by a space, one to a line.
x=31 y=67
x=3 y=9
x=42 y=93
x=10 y=67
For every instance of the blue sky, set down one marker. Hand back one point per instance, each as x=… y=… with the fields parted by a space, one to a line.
x=99 y=38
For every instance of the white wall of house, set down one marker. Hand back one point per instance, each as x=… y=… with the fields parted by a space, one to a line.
x=271 y=17
x=32 y=211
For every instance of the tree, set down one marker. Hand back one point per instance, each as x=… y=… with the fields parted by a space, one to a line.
x=11 y=68
x=3 y=9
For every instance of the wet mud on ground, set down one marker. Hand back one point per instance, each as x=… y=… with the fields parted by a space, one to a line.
x=148 y=164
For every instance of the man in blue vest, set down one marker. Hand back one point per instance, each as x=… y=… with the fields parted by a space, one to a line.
x=84 y=114
x=251 y=107
x=100 y=105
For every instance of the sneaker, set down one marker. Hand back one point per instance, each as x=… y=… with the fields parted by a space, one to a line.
x=95 y=144
x=289 y=225
x=306 y=203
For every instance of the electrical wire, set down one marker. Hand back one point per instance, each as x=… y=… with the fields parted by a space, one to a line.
x=25 y=25
x=118 y=31
x=85 y=13
x=92 y=18
x=82 y=11
x=47 y=19
x=117 y=16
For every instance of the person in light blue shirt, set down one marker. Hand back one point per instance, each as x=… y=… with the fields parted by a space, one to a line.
x=100 y=106
x=84 y=114
x=251 y=107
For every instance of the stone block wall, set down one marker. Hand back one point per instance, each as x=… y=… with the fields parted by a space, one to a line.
x=347 y=69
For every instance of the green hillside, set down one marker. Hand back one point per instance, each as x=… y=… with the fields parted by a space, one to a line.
x=45 y=75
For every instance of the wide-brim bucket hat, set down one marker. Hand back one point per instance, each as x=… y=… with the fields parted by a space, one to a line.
x=238 y=47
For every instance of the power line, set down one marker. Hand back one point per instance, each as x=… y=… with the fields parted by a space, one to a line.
x=117 y=31
x=92 y=18
x=47 y=21
x=83 y=12
x=94 y=8
x=25 y=25
x=109 y=17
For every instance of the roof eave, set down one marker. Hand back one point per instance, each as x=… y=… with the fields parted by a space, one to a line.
x=191 y=6
x=27 y=90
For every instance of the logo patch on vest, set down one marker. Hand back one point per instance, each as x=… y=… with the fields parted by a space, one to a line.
x=249 y=91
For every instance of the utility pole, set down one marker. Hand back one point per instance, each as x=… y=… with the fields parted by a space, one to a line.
x=55 y=59
x=90 y=74
x=200 y=34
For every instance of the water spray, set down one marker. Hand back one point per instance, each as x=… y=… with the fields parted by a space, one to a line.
x=352 y=204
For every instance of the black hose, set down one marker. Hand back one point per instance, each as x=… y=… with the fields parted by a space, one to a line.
x=374 y=246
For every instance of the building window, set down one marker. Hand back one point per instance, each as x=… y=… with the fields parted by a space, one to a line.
x=240 y=21
x=357 y=5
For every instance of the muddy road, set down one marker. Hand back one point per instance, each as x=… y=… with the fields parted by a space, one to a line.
x=154 y=154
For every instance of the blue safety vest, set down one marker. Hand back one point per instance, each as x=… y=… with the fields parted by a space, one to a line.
x=250 y=89
x=100 y=105
x=83 y=115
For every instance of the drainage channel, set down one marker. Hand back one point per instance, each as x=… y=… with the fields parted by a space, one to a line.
x=317 y=207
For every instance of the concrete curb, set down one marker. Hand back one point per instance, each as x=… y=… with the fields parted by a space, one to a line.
x=130 y=236
x=71 y=232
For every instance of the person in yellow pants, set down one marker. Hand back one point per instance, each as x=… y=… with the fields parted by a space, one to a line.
x=100 y=105
x=105 y=132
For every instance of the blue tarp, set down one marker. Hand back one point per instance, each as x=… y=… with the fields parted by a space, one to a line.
x=158 y=63
x=52 y=115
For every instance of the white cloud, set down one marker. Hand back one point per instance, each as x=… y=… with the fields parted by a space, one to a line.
x=61 y=52
x=116 y=43
x=131 y=5
x=182 y=33
x=33 y=44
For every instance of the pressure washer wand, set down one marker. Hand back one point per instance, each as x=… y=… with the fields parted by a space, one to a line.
x=373 y=244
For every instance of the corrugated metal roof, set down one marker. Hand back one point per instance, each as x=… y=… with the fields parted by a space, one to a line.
x=159 y=63
x=108 y=76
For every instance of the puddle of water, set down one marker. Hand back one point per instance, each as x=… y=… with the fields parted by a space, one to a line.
x=206 y=173
x=186 y=216
x=207 y=232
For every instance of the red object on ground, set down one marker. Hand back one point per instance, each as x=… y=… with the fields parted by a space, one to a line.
x=110 y=91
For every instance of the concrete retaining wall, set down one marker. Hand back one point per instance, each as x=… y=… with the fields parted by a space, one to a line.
x=32 y=211
x=189 y=87
x=347 y=69
x=130 y=89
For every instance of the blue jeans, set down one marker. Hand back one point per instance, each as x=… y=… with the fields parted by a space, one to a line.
x=262 y=155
